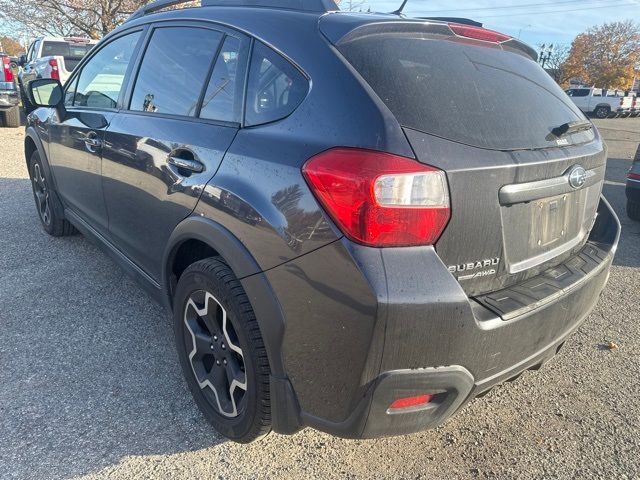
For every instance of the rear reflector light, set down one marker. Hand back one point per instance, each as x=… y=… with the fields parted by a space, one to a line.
x=55 y=73
x=6 y=66
x=478 y=33
x=379 y=199
x=409 y=402
x=633 y=176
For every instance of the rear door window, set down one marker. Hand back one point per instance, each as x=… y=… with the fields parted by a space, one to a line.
x=477 y=95
x=275 y=87
x=174 y=70
x=223 y=98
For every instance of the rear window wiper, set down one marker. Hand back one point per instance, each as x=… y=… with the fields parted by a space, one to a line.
x=571 y=127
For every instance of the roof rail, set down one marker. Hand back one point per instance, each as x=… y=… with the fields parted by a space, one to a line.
x=320 y=6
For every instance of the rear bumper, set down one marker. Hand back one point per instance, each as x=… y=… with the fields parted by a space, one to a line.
x=404 y=327
x=8 y=95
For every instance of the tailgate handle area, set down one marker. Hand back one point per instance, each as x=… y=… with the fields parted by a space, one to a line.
x=529 y=191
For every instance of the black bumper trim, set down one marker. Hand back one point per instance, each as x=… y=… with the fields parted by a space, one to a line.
x=554 y=282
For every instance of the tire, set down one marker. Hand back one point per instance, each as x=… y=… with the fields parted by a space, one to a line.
x=633 y=210
x=11 y=117
x=48 y=205
x=224 y=362
x=602 y=112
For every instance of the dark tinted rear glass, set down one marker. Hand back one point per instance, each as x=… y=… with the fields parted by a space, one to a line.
x=477 y=95
x=275 y=87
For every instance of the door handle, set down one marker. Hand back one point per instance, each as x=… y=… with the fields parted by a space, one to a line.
x=186 y=164
x=92 y=141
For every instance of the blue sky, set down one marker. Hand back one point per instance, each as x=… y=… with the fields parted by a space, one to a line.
x=536 y=21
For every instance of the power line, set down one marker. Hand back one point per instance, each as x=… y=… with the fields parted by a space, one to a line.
x=507 y=7
x=558 y=11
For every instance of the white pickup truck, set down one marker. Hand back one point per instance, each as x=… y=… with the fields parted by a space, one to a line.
x=51 y=57
x=596 y=102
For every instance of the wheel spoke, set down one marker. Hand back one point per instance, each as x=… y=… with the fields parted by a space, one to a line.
x=46 y=215
x=214 y=353
x=226 y=403
x=210 y=318
x=41 y=198
x=203 y=345
x=235 y=373
x=39 y=178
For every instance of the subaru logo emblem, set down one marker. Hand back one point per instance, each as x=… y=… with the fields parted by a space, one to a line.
x=577 y=177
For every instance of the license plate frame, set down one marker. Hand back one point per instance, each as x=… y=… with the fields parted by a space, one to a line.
x=551 y=220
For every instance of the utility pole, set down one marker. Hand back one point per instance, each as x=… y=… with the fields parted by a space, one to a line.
x=545 y=54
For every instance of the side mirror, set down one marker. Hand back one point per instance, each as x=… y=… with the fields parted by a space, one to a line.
x=22 y=60
x=45 y=92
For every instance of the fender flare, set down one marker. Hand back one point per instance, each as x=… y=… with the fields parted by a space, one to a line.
x=31 y=134
x=263 y=300
x=603 y=105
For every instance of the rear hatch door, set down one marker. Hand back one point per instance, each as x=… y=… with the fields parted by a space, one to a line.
x=523 y=195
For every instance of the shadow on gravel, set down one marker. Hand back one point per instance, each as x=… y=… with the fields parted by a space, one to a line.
x=88 y=370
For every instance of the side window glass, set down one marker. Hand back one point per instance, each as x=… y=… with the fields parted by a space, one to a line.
x=223 y=98
x=70 y=93
x=34 y=50
x=275 y=87
x=174 y=70
x=101 y=79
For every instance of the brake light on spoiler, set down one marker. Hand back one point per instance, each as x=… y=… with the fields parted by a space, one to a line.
x=478 y=33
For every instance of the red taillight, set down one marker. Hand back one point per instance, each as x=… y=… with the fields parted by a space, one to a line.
x=478 y=33
x=6 y=66
x=633 y=176
x=409 y=402
x=55 y=73
x=379 y=199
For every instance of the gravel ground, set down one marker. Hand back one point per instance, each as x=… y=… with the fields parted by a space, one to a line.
x=91 y=387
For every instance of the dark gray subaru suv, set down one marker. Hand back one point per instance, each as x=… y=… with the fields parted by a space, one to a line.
x=359 y=221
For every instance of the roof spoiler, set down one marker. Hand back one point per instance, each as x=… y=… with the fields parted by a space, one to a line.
x=318 y=6
x=460 y=20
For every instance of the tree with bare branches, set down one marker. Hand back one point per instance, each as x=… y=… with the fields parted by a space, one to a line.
x=90 y=18
x=554 y=61
x=351 y=5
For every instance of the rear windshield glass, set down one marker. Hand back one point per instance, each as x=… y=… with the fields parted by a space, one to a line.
x=66 y=50
x=477 y=95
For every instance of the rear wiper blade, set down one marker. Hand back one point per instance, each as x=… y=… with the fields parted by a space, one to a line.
x=571 y=127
